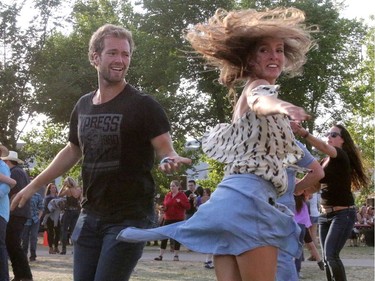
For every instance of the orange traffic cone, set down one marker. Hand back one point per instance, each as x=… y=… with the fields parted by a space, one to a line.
x=45 y=238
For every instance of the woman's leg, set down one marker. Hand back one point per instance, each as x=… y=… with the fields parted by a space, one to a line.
x=226 y=268
x=314 y=234
x=50 y=232
x=176 y=247
x=64 y=232
x=342 y=223
x=56 y=235
x=259 y=264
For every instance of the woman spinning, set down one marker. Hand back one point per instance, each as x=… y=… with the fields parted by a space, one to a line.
x=241 y=224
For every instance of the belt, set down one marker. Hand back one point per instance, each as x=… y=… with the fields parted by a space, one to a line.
x=330 y=209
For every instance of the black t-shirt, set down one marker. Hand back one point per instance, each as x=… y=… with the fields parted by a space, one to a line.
x=192 y=209
x=20 y=176
x=337 y=181
x=115 y=139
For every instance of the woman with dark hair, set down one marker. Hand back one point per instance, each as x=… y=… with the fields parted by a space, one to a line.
x=53 y=226
x=72 y=192
x=344 y=172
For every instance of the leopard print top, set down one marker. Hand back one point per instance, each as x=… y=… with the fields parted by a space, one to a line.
x=261 y=145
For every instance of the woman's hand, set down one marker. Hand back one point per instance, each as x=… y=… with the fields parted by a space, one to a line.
x=298 y=129
x=295 y=113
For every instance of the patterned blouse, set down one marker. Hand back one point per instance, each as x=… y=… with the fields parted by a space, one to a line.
x=260 y=145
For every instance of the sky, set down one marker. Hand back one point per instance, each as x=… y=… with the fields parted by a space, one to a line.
x=359 y=9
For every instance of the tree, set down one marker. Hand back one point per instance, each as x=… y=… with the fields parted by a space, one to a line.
x=42 y=145
x=18 y=49
x=164 y=66
x=361 y=122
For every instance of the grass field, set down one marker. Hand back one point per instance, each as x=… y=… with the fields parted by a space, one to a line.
x=59 y=268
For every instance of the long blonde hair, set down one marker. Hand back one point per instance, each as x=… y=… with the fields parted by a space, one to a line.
x=228 y=39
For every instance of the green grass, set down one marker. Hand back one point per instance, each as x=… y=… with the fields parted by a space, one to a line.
x=59 y=268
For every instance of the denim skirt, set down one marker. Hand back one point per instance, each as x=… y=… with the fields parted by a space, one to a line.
x=241 y=215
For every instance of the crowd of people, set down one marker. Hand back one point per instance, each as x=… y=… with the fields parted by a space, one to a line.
x=20 y=227
x=252 y=226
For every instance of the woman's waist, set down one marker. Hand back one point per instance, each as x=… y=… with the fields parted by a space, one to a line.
x=329 y=209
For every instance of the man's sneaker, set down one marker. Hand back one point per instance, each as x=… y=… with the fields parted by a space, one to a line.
x=209 y=265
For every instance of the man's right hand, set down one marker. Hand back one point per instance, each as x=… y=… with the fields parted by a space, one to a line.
x=21 y=198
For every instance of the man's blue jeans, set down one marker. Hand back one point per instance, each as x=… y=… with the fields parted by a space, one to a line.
x=334 y=231
x=98 y=255
x=30 y=235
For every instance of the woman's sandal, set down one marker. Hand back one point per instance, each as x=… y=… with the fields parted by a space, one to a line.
x=159 y=258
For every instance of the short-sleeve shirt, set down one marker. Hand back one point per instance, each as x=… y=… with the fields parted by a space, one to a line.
x=4 y=190
x=22 y=178
x=336 y=184
x=115 y=140
x=260 y=145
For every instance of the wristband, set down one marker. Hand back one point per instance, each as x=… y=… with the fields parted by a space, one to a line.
x=166 y=160
x=305 y=135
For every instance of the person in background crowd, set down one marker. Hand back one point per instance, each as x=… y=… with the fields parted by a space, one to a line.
x=6 y=183
x=343 y=171
x=313 y=204
x=370 y=215
x=191 y=195
x=117 y=131
x=51 y=221
x=361 y=214
x=31 y=228
x=201 y=200
x=72 y=192
x=17 y=256
x=241 y=224
x=302 y=217
x=174 y=206
x=206 y=194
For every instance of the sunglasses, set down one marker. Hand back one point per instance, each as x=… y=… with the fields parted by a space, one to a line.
x=333 y=134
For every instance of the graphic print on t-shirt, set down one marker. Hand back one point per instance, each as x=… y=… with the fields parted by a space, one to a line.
x=99 y=135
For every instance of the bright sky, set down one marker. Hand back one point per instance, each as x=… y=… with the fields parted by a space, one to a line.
x=359 y=9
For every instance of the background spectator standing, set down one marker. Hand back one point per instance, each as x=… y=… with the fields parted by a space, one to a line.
x=191 y=195
x=206 y=194
x=31 y=228
x=18 y=217
x=5 y=183
x=52 y=225
x=73 y=194
x=302 y=217
x=313 y=204
x=361 y=215
x=175 y=204
x=201 y=199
